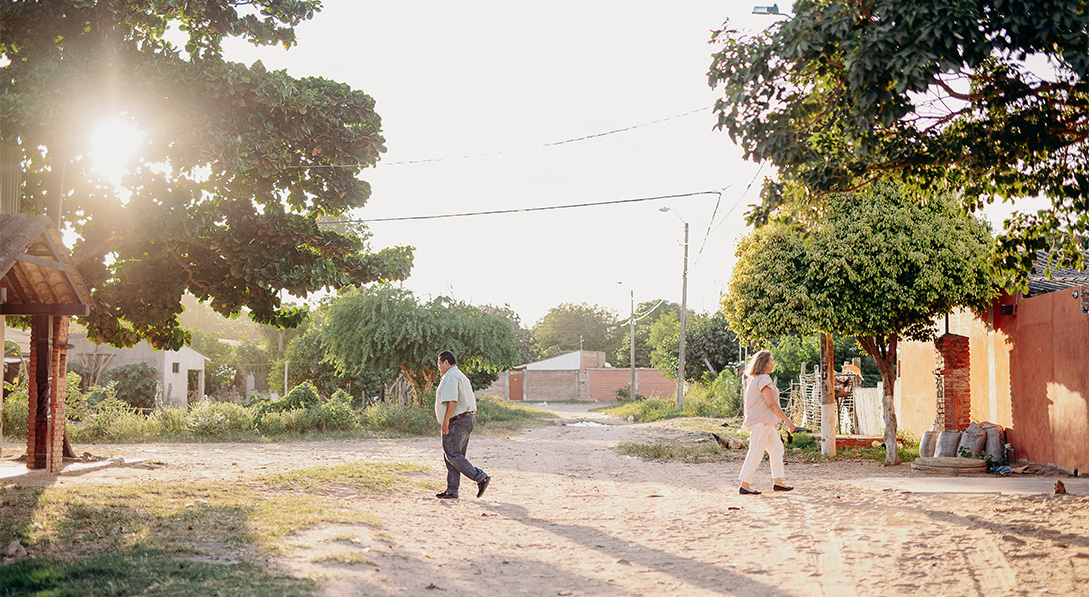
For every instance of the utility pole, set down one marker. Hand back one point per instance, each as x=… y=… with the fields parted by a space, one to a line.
x=631 y=334
x=684 y=322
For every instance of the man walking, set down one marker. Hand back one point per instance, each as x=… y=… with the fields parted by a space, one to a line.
x=455 y=409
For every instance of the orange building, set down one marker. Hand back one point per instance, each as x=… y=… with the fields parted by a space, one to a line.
x=1023 y=364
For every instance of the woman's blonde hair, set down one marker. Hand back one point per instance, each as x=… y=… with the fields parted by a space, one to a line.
x=759 y=363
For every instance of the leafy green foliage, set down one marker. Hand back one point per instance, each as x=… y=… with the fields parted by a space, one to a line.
x=386 y=330
x=135 y=384
x=220 y=372
x=707 y=340
x=567 y=327
x=945 y=96
x=653 y=311
x=236 y=169
x=881 y=267
x=527 y=346
x=791 y=351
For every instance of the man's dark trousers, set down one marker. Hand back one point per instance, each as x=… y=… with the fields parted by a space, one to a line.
x=454 y=445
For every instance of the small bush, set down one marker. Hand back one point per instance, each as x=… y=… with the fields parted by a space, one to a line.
x=414 y=419
x=208 y=419
x=136 y=384
x=304 y=395
x=337 y=413
x=112 y=419
x=16 y=404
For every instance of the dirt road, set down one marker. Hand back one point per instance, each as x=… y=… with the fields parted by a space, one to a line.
x=566 y=514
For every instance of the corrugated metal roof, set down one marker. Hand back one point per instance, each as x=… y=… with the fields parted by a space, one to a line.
x=36 y=271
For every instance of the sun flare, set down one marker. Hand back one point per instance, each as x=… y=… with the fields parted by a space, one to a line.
x=114 y=143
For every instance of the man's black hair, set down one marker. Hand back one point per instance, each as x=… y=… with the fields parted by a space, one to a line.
x=448 y=357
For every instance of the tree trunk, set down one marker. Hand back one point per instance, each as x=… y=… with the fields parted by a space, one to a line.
x=828 y=397
x=883 y=351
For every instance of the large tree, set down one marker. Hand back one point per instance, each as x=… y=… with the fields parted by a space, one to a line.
x=568 y=327
x=987 y=98
x=880 y=267
x=387 y=330
x=236 y=166
x=710 y=346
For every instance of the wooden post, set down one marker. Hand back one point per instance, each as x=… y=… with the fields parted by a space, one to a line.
x=828 y=397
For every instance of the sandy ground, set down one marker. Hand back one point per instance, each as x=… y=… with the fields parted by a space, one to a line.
x=567 y=515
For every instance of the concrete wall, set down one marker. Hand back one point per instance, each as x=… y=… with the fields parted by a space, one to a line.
x=175 y=384
x=1049 y=379
x=1029 y=373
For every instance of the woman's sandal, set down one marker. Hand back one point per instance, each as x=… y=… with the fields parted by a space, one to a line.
x=744 y=491
x=781 y=488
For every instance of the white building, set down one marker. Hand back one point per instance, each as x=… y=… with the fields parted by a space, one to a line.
x=172 y=366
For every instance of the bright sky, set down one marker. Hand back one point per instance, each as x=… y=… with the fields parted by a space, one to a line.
x=503 y=78
x=461 y=79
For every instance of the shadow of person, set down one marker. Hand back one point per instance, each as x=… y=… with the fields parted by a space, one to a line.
x=702 y=574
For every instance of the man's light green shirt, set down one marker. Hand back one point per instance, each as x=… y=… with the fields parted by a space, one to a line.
x=454 y=387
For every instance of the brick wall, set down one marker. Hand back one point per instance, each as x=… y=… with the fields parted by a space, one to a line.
x=953 y=378
x=603 y=383
x=551 y=385
x=47 y=367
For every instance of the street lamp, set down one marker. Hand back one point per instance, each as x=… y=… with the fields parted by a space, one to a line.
x=766 y=10
x=684 y=312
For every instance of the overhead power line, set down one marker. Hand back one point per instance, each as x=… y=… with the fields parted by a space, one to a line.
x=519 y=210
x=514 y=150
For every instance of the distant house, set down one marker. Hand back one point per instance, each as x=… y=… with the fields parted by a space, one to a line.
x=173 y=367
x=1023 y=364
x=579 y=375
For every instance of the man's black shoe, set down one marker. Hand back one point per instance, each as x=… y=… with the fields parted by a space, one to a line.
x=446 y=495
x=482 y=485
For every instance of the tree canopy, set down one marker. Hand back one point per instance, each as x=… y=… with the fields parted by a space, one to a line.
x=710 y=346
x=568 y=327
x=987 y=99
x=880 y=268
x=387 y=330
x=652 y=311
x=236 y=167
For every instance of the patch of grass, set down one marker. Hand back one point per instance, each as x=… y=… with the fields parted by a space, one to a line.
x=66 y=529
x=348 y=558
x=675 y=450
x=807 y=447
x=644 y=411
x=497 y=416
x=371 y=477
x=60 y=522
x=144 y=571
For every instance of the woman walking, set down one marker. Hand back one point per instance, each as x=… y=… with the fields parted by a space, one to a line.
x=762 y=414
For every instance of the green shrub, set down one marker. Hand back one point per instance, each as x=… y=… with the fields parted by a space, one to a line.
x=16 y=404
x=727 y=391
x=304 y=395
x=136 y=384
x=338 y=414
x=111 y=419
x=414 y=419
x=208 y=419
